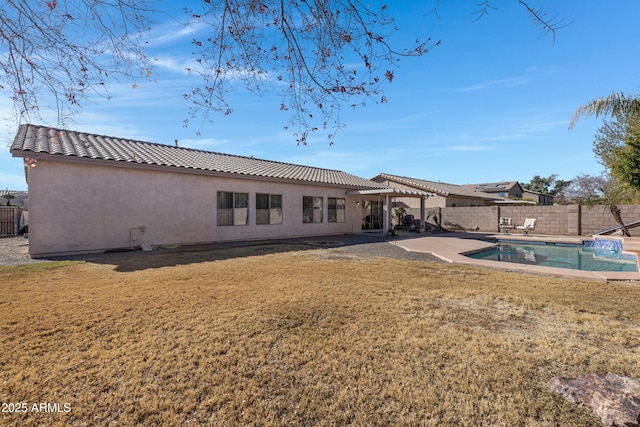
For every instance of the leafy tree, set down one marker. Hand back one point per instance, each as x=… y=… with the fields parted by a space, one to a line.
x=626 y=163
x=617 y=145
x=609 y=140
x=550 y=185
x=322 y=54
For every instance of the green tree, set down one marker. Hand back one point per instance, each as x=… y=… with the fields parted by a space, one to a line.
x=550 y=185
x=617 y=145
x=609 y=139
x=626 y=162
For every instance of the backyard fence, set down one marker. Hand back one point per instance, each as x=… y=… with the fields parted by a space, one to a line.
x=567 y=220
x=9 y=220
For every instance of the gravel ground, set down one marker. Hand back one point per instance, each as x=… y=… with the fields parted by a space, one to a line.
x=14 y=250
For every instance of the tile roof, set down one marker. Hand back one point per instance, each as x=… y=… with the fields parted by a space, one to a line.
x=494 y=187
x=440 y=188
x=45 y=140
x=14 y=192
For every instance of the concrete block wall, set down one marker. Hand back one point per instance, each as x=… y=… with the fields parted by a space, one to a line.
x=568 y=220
x=481 y=218
x=550 y=219
x=599 y=218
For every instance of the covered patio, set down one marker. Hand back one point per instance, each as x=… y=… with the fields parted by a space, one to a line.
x=385 y=197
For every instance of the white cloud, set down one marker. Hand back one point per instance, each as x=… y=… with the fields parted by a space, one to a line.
x=174 y=64
x=174 y=30
x=490 y=84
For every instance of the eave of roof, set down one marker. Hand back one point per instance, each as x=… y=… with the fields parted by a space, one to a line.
x=393 y=192
x=441 y=189
x=514 y=202
x=32 y=140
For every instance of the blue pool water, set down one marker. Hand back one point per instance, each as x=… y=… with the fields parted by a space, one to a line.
x=577 y=257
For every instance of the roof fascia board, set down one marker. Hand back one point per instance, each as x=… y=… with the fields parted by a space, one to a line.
x=167 y=168
x=436 y=191
x=392 y=192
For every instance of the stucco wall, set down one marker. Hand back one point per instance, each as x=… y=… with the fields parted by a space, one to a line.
x=78 y=207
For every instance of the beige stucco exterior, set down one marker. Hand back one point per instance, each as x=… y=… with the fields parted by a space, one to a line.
x=90 y=206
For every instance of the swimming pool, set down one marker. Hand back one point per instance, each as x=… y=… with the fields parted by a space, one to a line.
x=576 y=257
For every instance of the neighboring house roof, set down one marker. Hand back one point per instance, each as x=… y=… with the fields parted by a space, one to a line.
x=13 y=192
x=537 y=193
x=439 y=188
x=495 y=187
x=32 y=140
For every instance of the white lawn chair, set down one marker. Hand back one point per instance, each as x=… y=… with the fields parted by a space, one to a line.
x=505 y=224
x=529 y=224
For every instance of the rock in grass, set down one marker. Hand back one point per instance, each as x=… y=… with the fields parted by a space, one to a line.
x=615 y=399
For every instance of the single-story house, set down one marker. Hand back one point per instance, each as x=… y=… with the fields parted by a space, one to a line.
x=91 y=193
x=451 y=195
x=444 y=195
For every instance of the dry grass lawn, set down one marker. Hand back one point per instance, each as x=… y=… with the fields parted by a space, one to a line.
x=303 y=338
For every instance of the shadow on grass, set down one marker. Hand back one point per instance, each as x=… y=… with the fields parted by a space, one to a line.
x=135 y=260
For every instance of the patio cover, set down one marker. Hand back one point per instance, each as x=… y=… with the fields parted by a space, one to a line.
x=390 y=192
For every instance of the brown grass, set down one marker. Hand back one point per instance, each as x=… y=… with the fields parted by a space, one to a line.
x=303 y=338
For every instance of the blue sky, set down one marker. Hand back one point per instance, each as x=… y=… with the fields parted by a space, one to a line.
x=491 y=103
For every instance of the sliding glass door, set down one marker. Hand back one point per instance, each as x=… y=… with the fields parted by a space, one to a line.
x=372 y=215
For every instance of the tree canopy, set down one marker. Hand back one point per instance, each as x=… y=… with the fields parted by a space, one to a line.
x=547 y=185
x=321 y=55
x=617 y=146
x=626 y=167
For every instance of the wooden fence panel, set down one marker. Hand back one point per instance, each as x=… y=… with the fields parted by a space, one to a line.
x=8 y=220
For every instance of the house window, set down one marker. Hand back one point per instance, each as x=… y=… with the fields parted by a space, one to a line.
x=233 y=208
x=311 y=209
x=268 y=208
x=335 y=209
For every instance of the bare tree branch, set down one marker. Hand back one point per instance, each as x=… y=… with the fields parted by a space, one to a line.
x=320 y=55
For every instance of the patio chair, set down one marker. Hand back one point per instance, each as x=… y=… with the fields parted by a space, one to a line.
x=407 y=223
x=505 y=224
x=529 y=224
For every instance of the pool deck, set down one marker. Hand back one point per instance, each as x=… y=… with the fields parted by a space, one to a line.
x=450 y=247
